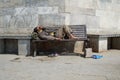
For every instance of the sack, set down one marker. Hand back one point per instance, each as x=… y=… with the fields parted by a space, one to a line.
x=34 y=35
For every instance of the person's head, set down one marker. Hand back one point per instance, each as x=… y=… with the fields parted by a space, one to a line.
x=38 y=28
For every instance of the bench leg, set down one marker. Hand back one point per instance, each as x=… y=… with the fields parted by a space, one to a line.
x=34 y=49
x=85 y=47
x=23 y=47
x=35 y=53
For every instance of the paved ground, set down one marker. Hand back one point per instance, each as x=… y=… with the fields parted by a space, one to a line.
x=13 y=67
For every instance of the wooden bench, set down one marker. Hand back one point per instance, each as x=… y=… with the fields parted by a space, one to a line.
x=78 y=30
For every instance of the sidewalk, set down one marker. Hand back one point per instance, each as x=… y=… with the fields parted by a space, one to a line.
x=13 y=67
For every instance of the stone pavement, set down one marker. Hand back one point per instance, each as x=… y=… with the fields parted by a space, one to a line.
x=13 y=67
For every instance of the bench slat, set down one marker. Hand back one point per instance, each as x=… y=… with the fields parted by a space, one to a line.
x=59 y=40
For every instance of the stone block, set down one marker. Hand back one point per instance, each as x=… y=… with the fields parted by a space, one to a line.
x=1 y=30
x=78 y=48
x=98 y=44
x=23 y=21
x=35 y=10
x=86 y=4
x=4 y=21
x=77 y=19
x=23 y=47
x=29 y=3
x=105 y=1
x=103 y=44
x=1 y=46
x=11 y=46
x=88 y=52
x=104 y=4
x=118 y=1
x=116 y=7
x=93 y=30
x=115 y=43
x=18 y=24
x=93 y=22
x=52 y=19
x=47 y=10
x=109 y=22
x=18 y=31
x=80 y=3
x=104 y=13
x=59 y=3
x=94 y=44
x=7 y=11
x=45 y=3
x=11 y=3
x=83 y=11
x=67 y=19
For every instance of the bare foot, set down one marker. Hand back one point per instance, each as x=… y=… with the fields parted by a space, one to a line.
x=73 y=37
x=58 y=39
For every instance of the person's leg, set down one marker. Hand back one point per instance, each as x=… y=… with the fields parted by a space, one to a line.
x=59 y=32
x=65 y=30
x=62 y=31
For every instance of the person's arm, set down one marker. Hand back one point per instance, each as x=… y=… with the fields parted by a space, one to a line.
x=44 y=36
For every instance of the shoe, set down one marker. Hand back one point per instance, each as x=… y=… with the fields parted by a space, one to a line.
x=51 y=55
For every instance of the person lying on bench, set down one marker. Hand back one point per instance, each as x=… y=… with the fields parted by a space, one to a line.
x=64 y=32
